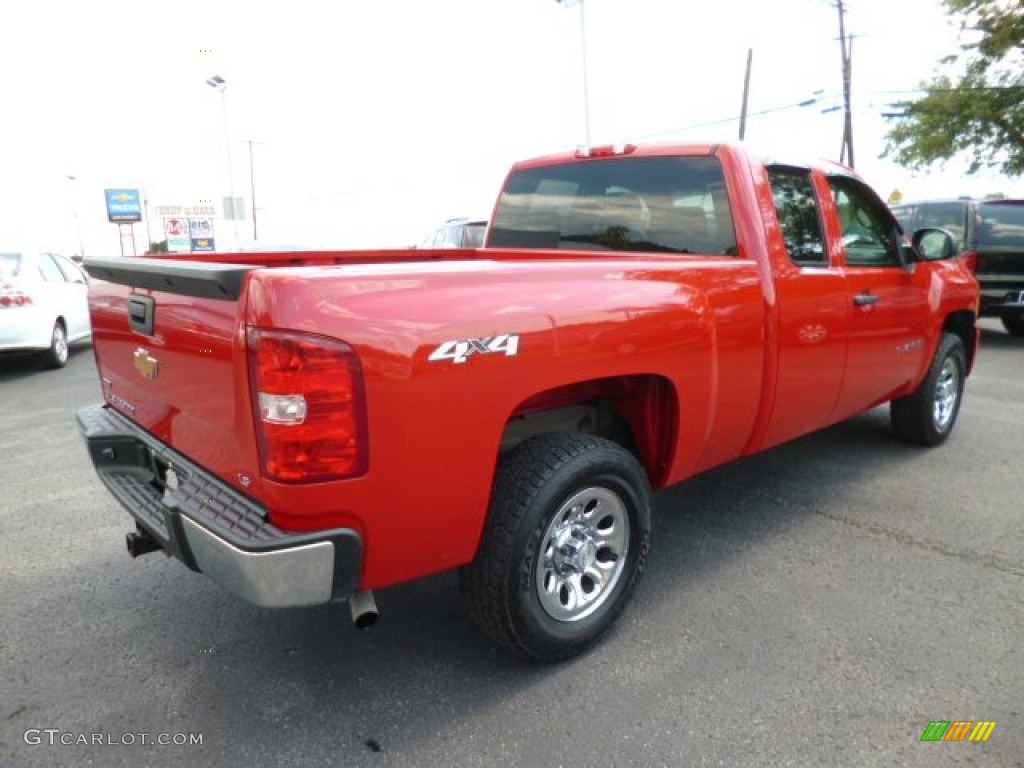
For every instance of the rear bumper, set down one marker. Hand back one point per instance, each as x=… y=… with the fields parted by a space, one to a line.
x=24 y=328
x=211 y=527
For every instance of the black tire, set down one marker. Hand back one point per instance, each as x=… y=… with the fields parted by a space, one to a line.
x=1014 y=324
x=928 y=415
x=57 y=355
x=550 y=602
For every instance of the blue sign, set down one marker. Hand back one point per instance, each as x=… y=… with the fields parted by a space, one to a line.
x=123 y=205
x=203 y=245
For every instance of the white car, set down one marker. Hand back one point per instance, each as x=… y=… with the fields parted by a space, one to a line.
x=457 y=233
x=44 y=304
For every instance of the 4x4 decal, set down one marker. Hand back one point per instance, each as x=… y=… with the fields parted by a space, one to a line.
x=459 y=350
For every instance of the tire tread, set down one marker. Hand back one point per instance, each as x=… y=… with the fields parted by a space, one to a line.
x=522 y=475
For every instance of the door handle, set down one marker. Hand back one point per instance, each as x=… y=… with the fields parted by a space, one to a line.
x=865 y=299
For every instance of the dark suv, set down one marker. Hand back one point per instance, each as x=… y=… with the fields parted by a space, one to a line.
x=990 y=235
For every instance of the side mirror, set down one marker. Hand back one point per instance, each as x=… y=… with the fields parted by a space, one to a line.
x=934 y=244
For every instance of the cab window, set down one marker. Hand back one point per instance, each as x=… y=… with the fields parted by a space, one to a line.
x=799 y=216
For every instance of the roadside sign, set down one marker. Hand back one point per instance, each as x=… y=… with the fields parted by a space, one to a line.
x=179 y=244
x=175 y=227
x=200 y=228
x=123 y=205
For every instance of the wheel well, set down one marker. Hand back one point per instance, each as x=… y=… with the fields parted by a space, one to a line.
x=963 y=324
x=639 y=412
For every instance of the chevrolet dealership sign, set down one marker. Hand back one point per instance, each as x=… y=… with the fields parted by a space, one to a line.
x=123 y=205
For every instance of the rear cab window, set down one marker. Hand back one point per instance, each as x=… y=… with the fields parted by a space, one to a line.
x=652 y=204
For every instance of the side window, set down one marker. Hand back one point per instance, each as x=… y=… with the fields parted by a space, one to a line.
x=799 y=215
x=49 y=270
x=71 y=271
x=868 y=228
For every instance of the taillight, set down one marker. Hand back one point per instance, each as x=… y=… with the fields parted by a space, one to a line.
x=970 y=260
x=11 y=295
x=309 y=406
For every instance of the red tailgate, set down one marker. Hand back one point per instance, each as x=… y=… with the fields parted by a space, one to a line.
x=171 y=351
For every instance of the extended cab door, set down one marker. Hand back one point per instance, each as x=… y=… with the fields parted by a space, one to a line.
x=813 y=308
x=889 y=304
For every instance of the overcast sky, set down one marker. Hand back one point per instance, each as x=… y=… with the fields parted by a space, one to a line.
x=378 y=120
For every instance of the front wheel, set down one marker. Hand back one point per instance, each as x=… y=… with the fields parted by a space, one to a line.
x=565 y=543
x=927 y=416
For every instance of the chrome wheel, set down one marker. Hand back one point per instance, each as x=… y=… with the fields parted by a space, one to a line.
x=583 y=554
x=947 y=393
x=60 y=343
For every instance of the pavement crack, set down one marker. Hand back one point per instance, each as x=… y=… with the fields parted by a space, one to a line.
x=968 y=556
x=965 y=555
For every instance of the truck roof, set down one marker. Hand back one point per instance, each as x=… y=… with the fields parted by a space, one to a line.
x=681 y=148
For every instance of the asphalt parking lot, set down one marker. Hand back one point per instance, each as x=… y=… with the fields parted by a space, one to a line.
x=819 y=604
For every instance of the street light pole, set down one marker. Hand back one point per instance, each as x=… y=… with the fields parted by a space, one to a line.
x=74 y=213
x=252 y=186
x=583 y=51
x=220 y=84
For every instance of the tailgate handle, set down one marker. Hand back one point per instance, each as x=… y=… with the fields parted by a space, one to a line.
x=141 y=311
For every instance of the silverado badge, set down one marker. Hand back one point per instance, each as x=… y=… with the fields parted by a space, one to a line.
x=146 y=364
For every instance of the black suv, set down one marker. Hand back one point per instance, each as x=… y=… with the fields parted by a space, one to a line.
x=990 y=235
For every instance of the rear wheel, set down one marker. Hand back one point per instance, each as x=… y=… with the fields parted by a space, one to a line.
x=927 y=416
x=1014 y=324
x=57 y=355
x=566 y=540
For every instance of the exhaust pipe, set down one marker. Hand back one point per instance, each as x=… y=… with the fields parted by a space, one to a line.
x=364 y=609
x=141 y=543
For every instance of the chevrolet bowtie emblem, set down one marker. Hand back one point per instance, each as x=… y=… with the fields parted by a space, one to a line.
x=146 y=364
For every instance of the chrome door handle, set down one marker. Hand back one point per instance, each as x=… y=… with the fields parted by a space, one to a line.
x=865 y=299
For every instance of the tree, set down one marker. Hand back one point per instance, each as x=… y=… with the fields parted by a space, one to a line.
x=979 y=112
x=158 y=247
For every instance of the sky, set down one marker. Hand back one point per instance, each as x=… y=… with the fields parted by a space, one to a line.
x=374 y=122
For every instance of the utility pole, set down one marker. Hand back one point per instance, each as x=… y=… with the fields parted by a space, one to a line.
x=746 y=94
x=74 y=213
x=252 y=186
x=846 y=49
x=583 y=51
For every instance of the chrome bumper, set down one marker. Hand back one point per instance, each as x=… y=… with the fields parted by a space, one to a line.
x=211 y=527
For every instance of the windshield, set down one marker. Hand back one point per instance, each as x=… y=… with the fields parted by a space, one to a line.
x=1001 y=224
x=658 y=204
x=10 y=265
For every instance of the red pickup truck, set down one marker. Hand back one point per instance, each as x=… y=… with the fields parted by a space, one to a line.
x=309 y=427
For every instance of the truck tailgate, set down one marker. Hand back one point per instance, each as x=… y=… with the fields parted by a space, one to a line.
x=170 y=347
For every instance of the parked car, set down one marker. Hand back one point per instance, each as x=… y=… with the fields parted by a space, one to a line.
x=990 y=235
x=457 y=233
x=44 y=304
